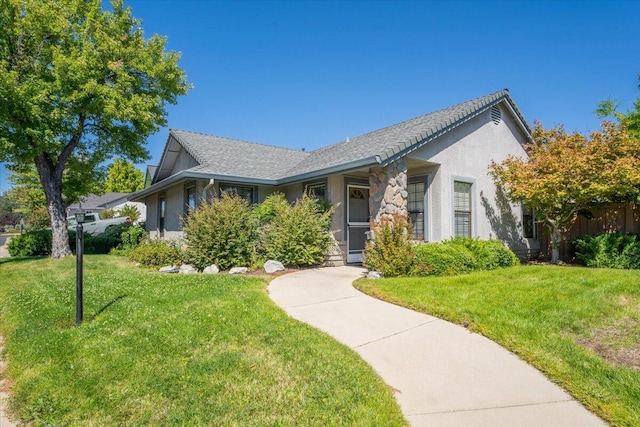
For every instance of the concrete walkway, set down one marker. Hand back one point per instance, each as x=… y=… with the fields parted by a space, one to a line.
x=442 y=374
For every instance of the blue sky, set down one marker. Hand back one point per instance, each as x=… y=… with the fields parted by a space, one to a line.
x=309 y=74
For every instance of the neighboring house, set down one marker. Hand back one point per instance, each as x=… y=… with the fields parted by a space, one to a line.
x=95 y=203
x=432 y=168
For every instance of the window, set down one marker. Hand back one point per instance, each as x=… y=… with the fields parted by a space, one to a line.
x=244 y=192
x=191 y=200
x=162 y=213
x=462 y=208
x=318 y=189
x=528 y=222
x=415 y=206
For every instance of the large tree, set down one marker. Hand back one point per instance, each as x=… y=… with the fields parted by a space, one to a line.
x=631 y=119
x=123 y=177
x=567 y=173
x=78 y=84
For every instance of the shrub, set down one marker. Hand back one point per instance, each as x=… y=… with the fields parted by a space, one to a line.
x=157 y=253
x=391 y=251
x=94 y=245
x=298 y=234
x=272 y=205
x=131 y=211
x=221 y=232
x=32 y=243
x=438 y=259
x=489 y=254
x=607 y=250
x=132 y=236
x=107 y=213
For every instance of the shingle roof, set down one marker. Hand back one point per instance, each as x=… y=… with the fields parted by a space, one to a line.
x=232 y=157
x=385 y=144
x=93 y=201
x=241 y=159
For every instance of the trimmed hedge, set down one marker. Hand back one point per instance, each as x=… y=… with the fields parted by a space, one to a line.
x=38 y=243
x=32 y=243
x=157 y=253
x=489 y=254
x=607 y=250
x=442 y=259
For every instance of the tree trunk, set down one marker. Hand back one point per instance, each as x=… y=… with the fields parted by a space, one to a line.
x=556 y=238
x=52 y=186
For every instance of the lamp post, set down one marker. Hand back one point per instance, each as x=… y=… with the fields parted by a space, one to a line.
x=79 y=250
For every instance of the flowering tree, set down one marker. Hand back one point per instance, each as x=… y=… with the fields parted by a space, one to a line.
x=566 y=173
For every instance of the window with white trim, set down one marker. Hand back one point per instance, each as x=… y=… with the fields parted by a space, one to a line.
x=462 y=208
x=415 y=206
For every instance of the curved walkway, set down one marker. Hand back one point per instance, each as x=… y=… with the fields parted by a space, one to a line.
x=442 y=374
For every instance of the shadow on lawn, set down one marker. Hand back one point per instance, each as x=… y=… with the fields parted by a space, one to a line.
x=109 y=304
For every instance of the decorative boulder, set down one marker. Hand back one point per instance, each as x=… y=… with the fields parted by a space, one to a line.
x=374 y=275
x=212 y=269
x=169 y=269
x=272 y=266
x=238 y=270
x=188 y=269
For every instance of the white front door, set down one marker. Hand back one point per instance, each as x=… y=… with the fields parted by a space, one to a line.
x=357 y=221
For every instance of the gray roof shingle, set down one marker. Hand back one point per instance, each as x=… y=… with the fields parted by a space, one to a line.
x=385 y=144
x=235 y=158
x=242 y=159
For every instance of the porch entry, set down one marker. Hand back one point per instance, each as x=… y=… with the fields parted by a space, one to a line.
x=357 y=221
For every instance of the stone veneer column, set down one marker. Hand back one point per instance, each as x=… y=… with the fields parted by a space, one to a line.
x=388 y=190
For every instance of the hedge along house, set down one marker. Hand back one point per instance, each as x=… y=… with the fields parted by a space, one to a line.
x=433 y=168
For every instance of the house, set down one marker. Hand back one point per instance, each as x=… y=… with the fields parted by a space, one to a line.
x=98 y=203
x=432 y=168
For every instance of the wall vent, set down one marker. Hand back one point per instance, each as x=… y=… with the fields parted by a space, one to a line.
x=496 y=115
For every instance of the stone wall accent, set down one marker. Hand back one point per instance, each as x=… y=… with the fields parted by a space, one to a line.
x=388 y=190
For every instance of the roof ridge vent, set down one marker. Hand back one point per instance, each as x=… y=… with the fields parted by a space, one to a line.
x=496 y=115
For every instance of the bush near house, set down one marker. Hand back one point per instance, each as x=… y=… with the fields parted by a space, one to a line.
x=443 y=259
x=157 y=253
x=222 y=232
x=391 y=252
x=607 y=250
x=295 y=234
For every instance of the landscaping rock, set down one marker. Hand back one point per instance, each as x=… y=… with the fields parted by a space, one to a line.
x=273 y=266
x=238 y=270
x=169 y=269
x=188 y=269
x=374 y=275
x=212 y=269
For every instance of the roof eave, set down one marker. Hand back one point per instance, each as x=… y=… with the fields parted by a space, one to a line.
x=342 y=168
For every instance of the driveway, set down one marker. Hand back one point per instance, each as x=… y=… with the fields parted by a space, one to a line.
x=442 y=374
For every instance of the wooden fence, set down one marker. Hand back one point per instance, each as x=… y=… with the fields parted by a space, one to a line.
x=622 y=218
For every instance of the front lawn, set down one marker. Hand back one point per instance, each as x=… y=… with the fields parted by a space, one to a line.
x=160 y=349
x=580 y=326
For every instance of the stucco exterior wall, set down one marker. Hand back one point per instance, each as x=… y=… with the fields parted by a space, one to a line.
x=292 y=192
x=464 y=154
x=152 y=214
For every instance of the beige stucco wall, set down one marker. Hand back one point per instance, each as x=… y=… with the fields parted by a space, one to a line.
x=465 y=154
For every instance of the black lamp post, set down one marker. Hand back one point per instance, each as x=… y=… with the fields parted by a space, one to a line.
x=79 y=250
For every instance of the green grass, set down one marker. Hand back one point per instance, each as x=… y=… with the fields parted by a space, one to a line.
x=580 y=326
x=159 y=349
